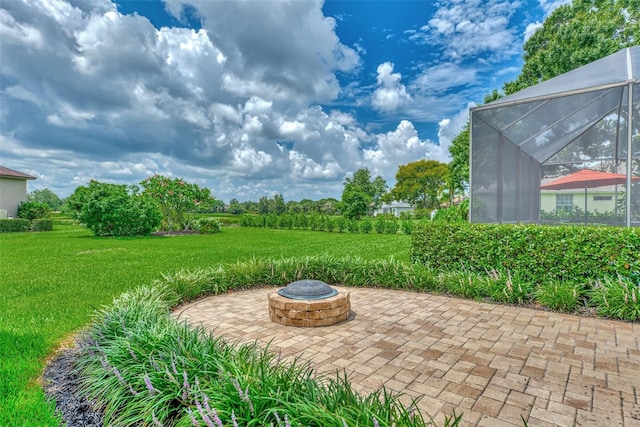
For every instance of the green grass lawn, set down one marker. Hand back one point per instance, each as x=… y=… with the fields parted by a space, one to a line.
x=51 y=282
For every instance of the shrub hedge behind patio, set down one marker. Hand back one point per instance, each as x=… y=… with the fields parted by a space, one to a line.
x=14 y=225
x=535 y=253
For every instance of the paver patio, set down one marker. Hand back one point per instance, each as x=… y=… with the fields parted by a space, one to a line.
x=495 y=364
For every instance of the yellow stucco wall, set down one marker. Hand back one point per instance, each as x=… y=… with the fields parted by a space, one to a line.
x=548 y=200
x=12 y=193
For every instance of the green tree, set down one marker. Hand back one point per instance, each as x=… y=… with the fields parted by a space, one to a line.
x=45 y=196
x=277 y=205
x=235 y=207
x=175 y=198
x=308 y=206
x=355 y=203
x=420 y=183
x=117 y=210
x=577 y=34
x=459 y=165
x=74 y=203
x=263 y=205
x=328 y=206
x=362 y=194
x=294 y=207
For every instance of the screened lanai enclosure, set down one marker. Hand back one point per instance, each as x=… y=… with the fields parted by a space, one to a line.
x=564 y=151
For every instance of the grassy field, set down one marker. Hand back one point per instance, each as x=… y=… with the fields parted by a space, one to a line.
x=51 y=282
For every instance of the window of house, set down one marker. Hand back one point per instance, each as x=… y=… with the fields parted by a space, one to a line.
x=564 y=202
x=602 y=197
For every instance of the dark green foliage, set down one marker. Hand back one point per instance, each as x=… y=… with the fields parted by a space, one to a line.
x=14 y=225
x=42 y=224
x=118 y=210
x=33 y=210
x=535 y=253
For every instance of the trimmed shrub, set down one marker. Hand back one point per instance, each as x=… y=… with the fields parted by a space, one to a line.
x=407 y=226
x=206 y=225
x=534 y=253
x=14 y=225
x=331 y=223
x=391 y=226
x=42 y=224
x=366 y=226
x=33 y=210
x=352 y=226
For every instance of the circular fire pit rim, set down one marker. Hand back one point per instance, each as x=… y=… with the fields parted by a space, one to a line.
x=308 y=289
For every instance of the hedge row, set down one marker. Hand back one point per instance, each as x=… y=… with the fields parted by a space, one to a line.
x=318 y=222
x=19 y=225
x=536 y=253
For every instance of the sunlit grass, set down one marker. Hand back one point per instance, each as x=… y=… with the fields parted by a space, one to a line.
x=51 y=283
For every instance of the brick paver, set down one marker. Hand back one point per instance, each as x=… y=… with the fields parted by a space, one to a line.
x=495 y=364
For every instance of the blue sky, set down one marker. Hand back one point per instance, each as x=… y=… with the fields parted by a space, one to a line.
x=248 y=98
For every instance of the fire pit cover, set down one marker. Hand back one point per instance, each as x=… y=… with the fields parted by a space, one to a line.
x=307 y=289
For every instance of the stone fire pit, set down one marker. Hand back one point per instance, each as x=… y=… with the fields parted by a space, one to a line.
x=309 y=303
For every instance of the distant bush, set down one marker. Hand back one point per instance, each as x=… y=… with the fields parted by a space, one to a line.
x=206 y=225
x=407 y=226
x=14 y=225
x=42 y=224
x=118 y=210
x=366 y=226
x=33 y=210
x=332 y=223
x=391 y=226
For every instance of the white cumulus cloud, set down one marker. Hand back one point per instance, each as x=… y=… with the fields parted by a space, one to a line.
x=391 y=93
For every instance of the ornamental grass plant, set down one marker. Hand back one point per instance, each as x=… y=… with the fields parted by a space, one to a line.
x=143 y=367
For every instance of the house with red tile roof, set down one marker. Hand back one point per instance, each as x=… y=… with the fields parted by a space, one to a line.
x=13 y=191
